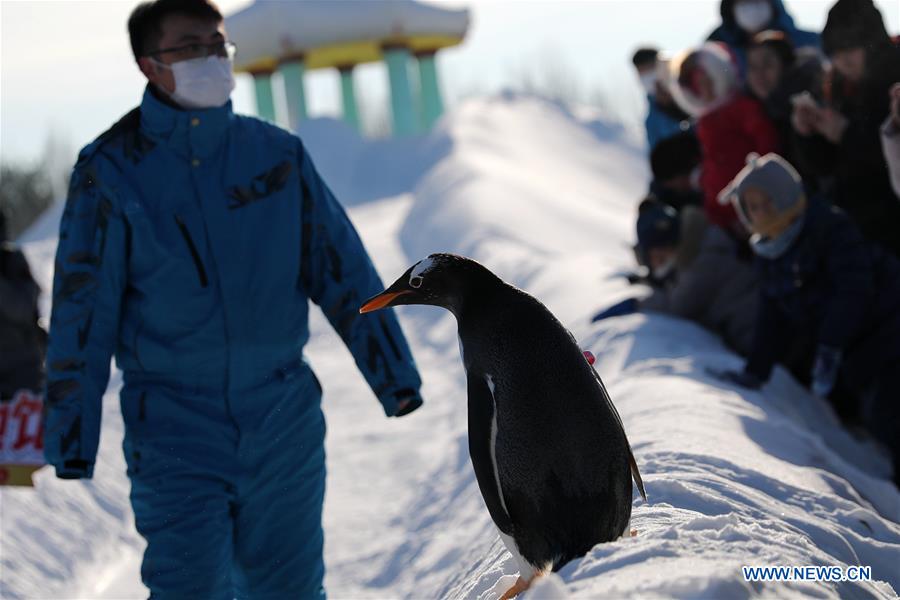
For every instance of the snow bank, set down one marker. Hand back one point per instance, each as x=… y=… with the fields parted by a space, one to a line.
x=546 y=199
x=734 y=478
x=359 y=170
x=525 y=182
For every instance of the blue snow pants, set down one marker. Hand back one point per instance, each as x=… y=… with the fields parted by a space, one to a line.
x=227 y=487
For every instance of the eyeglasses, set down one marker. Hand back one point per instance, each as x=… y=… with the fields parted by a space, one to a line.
x=190 y=51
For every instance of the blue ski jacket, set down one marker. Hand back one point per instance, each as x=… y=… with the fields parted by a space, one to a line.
x=659 y=124
x=190 y=243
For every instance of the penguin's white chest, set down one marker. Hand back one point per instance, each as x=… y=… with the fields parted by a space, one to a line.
x=526 y=570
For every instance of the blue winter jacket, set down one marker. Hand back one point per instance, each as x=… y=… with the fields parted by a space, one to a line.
x=190 y=243
x=730 y=33
x=659 y=124
x=836 y=289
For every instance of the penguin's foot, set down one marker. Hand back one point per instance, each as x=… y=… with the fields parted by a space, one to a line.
x=634 y=532
x=518 y=587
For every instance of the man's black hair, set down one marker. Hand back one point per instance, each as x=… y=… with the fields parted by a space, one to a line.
x=145 y=22
x=853 y=24
x=675 y=156
x=644 y=56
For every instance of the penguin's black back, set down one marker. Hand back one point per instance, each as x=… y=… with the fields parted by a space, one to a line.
x=563 y=460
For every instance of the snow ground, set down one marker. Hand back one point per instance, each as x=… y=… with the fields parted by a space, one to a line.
x=546 y=199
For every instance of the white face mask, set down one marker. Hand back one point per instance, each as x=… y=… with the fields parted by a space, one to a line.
x=753 y=15
x=648 y=82
x=202 y=82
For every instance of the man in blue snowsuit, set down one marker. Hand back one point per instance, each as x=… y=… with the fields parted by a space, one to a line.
x=191 y=240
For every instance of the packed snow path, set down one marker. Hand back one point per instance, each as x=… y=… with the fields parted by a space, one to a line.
x=546 y=198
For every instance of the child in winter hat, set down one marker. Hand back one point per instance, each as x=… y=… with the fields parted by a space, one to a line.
x=769 y=198
x=658 y=230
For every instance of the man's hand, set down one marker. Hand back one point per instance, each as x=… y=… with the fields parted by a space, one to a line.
x=407 y=401
x=831 y=124
x=895 y=105
x=804 y=114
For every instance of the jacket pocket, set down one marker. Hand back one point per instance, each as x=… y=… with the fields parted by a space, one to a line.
x=134 y=415
x=292 y=370
x=299 y=368
x=261 y=186
x=201 y=271
x=137 y=340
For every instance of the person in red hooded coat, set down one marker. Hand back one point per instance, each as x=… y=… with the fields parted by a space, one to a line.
x=730 y=123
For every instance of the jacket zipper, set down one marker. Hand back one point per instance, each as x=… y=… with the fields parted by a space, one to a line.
x=201 y=272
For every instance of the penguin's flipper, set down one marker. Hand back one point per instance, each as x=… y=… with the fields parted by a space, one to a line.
x=481 y=438
x=635 y=473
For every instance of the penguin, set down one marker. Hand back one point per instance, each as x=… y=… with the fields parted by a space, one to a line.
x=548 y=447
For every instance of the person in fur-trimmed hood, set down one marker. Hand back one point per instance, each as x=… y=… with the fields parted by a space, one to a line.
x=730 y=123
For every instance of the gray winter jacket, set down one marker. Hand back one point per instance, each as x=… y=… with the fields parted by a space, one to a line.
x=712 y=286
x=890 y=142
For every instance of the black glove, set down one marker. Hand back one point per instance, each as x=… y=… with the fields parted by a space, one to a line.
x=75 y=469
x=741 y=378
x=625 y=307
x=635 y=278
x=825 y=370
x=408 y=400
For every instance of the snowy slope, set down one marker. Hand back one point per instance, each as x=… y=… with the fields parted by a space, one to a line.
x=546 y=199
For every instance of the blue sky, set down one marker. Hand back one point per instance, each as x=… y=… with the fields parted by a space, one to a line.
x=65 y=65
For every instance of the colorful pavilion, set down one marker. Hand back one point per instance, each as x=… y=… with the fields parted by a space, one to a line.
x=299 y=36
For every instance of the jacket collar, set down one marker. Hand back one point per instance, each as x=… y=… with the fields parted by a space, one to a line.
x=191 y=133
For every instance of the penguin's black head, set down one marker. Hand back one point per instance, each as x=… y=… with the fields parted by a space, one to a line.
x=443 y=280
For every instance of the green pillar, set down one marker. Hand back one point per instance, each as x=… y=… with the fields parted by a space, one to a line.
x=432 y=105
x=348 y=97
x=402 y=108
x=295 y=91
x=265 y=101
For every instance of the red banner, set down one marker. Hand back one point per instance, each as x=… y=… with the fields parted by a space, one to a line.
x=21 y=438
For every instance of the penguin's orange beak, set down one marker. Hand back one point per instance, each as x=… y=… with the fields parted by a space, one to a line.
x=382 y=300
